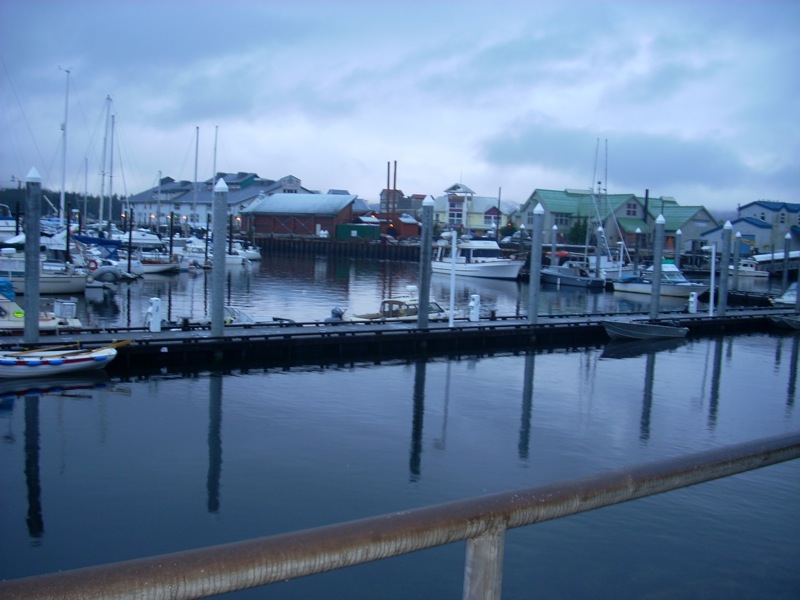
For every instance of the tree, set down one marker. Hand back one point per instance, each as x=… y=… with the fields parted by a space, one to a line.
x=577 y=233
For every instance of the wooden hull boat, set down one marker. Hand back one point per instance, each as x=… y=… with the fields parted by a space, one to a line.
x=642 y=330
x=55 y=361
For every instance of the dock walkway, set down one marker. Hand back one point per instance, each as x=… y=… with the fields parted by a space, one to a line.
x=287 y=344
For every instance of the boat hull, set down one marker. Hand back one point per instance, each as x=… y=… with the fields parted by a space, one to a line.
x=53 y=362
x=490 y=270
x=666 y=289
x=557 y=278
x=53 y=284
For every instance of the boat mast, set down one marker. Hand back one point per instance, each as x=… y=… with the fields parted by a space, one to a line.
x=111 y=176
x=194 y=184
x=103 y=165
x=62 y=200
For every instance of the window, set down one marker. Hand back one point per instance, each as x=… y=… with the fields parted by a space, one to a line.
x=631 y=209
x=783 y=218
x=455 y=213
x=490 y=220
x=561 y=219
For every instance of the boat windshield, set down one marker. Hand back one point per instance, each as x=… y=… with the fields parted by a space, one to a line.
x=487 y=253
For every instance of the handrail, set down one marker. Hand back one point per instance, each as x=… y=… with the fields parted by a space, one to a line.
x=481 y=521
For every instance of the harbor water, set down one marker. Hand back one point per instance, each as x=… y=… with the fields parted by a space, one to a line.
x=102 y=470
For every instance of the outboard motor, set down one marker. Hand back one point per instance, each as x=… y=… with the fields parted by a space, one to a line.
x=337 y=315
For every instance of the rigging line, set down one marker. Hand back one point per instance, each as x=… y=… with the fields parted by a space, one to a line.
x=24 y=116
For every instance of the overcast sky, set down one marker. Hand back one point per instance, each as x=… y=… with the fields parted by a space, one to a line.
x=695 y=100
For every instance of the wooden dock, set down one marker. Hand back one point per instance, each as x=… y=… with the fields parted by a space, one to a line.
x=287 y=344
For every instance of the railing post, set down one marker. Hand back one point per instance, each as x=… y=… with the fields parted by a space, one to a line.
x=483 y=571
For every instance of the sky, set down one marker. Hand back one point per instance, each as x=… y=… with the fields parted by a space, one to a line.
x=694 y=100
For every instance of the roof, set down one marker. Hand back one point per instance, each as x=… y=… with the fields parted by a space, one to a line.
x=242 y=187
x=300 y=204
x=480 y=204
x=772 y=205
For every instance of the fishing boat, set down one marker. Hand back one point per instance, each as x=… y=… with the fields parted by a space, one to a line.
x=396 y=309
x=642 y=330
x=475 y=258
x=12 y=316
x=673 y=283
x=56 y=360
x=748 y=268
x=573 y=275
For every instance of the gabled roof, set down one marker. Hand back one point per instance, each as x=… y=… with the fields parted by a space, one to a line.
x=300 y=204
x=773 y=206
x=758 y=223
x=480 y=204
x=459 y=188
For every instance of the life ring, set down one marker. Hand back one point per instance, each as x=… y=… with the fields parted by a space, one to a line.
x=93 y=264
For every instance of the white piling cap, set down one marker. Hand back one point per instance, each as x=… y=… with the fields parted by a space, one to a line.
x=33 y=176
x=221 y=186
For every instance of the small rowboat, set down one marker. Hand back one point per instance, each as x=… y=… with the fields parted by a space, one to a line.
x=56 y=360
x=640 y=330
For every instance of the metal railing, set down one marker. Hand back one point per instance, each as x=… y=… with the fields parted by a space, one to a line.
x=482 y=522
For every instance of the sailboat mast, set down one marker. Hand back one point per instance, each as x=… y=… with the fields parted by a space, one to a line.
x=111 y=176
x=103 y=165
x=194 y=184
x=62 y=199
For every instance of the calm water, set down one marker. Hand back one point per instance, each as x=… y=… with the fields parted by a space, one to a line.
x=307 y=288
x=134 y=468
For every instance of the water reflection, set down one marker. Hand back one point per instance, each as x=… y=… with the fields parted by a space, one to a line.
x=214 y=441
x=34 y=520
x=417 y=421
x=527 y=407
x=716 y=374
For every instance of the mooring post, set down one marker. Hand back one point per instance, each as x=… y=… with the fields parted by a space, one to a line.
x=218 y=259
x=724 y=262
x=483 y=572
x=33 y=266
x=426 y=250
x=536 y=264
x=658 y=253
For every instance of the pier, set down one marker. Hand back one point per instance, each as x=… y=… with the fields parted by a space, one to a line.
x=282 y=343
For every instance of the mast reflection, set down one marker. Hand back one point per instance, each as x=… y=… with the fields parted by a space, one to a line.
x=647 y=397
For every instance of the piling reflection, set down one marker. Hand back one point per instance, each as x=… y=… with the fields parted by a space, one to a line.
x=441 y=442
x=647 y=397
x=34 y=520
x=417 y=421
x=716 y=373
x=527 y=407
x=214 y=442
x=792 y=386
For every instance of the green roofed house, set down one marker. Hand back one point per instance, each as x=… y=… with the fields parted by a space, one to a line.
x=621 y=216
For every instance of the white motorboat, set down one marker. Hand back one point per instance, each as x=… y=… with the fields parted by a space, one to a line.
x=54 y=277
x=57 y=360
x=573 y=275
x=788 y=298
x=475 y=258
x=12 y=316
x=673 y=283
x=748 y=268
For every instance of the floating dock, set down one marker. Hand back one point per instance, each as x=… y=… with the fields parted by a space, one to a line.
x=288 y=344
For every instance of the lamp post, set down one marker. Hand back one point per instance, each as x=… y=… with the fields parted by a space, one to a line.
x=713 y=248
x=553 y=259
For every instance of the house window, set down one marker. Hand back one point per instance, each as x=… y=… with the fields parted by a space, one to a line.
x=783 y=218
x=561 y=219
x=490 y=220
x=455 y=213
x=630 y=209
x=763 y=216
